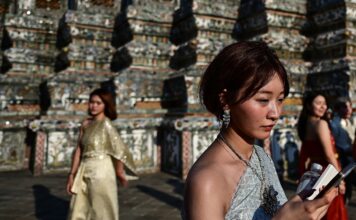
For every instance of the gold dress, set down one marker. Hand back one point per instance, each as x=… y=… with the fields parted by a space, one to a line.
x=95 y=186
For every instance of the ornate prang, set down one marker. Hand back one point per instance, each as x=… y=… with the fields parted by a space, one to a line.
x=158 y=54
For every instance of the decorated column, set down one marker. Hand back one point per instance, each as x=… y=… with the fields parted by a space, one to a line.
x=200 y=30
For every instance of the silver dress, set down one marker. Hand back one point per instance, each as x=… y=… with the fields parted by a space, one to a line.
x=246 y=201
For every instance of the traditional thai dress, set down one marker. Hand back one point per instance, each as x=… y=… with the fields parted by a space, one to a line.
x=95 y=185
x=246 y=202
x=312 y=152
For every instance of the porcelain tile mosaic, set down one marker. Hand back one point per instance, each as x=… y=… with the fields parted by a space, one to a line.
x=151 y=54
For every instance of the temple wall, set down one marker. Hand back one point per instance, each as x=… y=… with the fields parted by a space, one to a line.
x=151 y=55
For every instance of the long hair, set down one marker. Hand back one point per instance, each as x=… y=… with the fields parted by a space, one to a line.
x=306 y=112
x=108 y=100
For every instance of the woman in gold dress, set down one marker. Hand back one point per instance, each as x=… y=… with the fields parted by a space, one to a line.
x=99 y=156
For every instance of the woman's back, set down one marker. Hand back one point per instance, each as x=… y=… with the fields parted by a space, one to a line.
x=311 y=130
x=312 y=148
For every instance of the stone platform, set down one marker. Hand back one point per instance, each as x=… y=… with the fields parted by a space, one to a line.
x=152 y=197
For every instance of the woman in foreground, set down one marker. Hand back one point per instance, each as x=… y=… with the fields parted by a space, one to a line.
x=99 y=157
x=244 y=86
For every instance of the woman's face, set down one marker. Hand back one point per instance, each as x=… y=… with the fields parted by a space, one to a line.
x=346 y=111
x=255 y=118
x=96 y=106
x=319 y=106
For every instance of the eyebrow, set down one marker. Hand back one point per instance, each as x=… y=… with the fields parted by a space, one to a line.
x=267 y=92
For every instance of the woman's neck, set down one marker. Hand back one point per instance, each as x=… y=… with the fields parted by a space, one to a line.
x=99 y=117
x=314 y=118
x=244 y=146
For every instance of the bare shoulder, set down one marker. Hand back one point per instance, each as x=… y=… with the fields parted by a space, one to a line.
x=204 y=176
x=321 y=125
x=211 y=183
x=86 y=122
x=214 y=170
x=210 y=169
x=204 y=196
x=204 y=179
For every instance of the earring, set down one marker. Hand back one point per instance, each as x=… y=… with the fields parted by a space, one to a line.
x=226 y=118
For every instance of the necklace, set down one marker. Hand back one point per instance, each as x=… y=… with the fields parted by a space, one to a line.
x=261 y=178
x=268 y=195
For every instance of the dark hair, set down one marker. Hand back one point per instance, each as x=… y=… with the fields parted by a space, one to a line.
x=242 y=69
x=306 y=112
x=341 y=103
x=109 y=102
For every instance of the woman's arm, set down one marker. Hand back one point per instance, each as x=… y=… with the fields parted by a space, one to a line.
x=120 y=172
x=75 y=163
x=323 y=133
x=203 y=198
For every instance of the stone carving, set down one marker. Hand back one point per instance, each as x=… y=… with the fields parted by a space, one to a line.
x=297 y=7
x=225 y=8
x=3 y=101
x=141 y=144
x=172 y=151
x=12 y=147
x=26 y=4
x=60 y=148
x=201 y=141
x=143 y=10
x=135 y=85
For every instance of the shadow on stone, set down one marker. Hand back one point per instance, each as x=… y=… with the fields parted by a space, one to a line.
x=177 y=184
x=48 y=206
x=162 y=196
